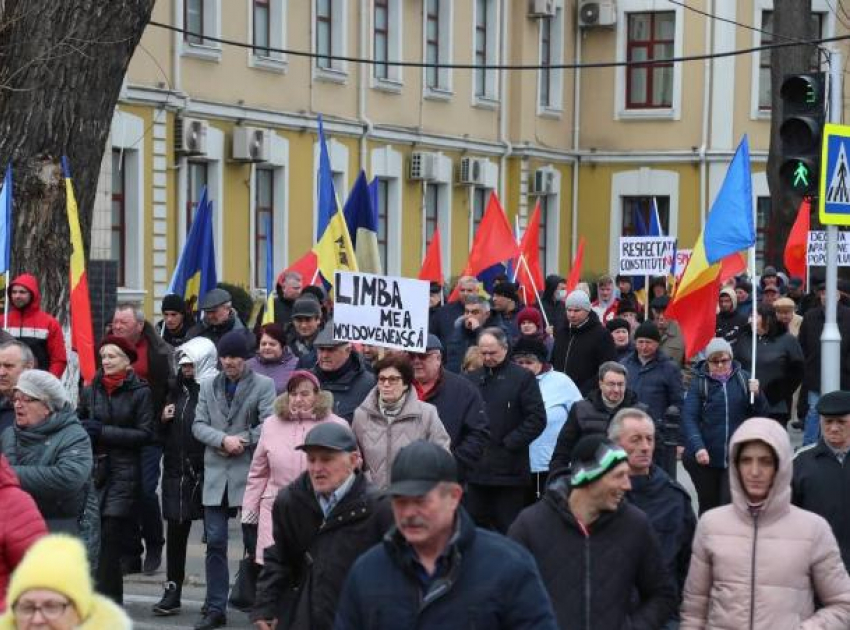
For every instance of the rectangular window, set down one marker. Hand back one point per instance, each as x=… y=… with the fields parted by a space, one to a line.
x=650 y=37
x=118 y=247
x=382 y=38
x=383 y=220
x=324 y=33
x=432 y=195
x=193 y=21
x=765 y=55
x=432 y=43
x=480 y=197
x=482 y=18
x=637 y=213
x=262 y=28
x=546 y=61
x=198 y=178
x=264 y=216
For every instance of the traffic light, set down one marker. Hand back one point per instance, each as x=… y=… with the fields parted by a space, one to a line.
x=800 y=132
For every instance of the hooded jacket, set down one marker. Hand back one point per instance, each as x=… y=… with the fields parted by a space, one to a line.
x=729 y=324
x=764 y=568
x=580 y=350
x=40 y=331
x=556 y=313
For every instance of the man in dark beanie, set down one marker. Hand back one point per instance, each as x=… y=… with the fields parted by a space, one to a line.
x=231 y=408
x=174 y=324
x=621 y=333
x=506 y=301
x=596 y=553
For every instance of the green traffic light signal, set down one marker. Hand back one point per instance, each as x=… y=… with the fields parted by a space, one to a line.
x=801 y=176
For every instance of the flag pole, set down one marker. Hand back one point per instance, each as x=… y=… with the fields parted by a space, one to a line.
x=6 y=302
x=753 y=317
x=534 y=288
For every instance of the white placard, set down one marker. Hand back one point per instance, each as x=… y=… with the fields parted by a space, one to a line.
x=816 y=250
x=383 y=311
x=682 y=258
x=645 y=255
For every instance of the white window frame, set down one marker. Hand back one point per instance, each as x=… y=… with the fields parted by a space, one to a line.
x=338 y=72
x=556 y=45
x=759 y=6
x=279 y=163
x=387 y=163
x=338 y=154
x=553 y=220
x=445 y=90
x=276 y=61
x=128 y=135
x=491 y=53
x=394 y=80
x=642 y=182
x=212 y=28
x=621 y=112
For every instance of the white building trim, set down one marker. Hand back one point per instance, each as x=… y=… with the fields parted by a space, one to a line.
x=128 y=135
x=387 y=163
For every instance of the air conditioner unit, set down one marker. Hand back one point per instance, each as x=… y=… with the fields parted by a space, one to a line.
x=251 y=144
x=471 y=171
x=542 y=182
x=541 y=8
x=190 y=136
x=593 y=13
x=423 y=166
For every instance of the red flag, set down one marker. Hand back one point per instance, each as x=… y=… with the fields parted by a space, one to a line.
x=575 y=270
x=529 y=276
x=798 y=241
x=494 y=241
x=307 y=266
x=732 y=265
x=432 y=266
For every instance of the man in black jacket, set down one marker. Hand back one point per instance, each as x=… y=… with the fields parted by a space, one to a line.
x=583 y=344
x=597 y=554
x=443 y=322
x=516 y=413
x=822 y=470
x=477 y=315
x=342 y=372
x=321 y=523
x=729 y=322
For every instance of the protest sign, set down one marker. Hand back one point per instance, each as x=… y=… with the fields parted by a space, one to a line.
x=682 y=258
x=816 y=250
x=646 y=255
x=381 y=310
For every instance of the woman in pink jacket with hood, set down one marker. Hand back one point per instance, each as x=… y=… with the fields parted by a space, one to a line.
x=276 y=463
x=761 y=563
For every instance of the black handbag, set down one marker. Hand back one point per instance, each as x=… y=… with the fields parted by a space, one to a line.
x=244 y=590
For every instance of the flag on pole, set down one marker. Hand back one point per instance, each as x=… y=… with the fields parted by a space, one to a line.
x=268 y=311
x=796 y=248
x=432 y=266
x=575 y=271
x=82 y=337
x=361 y=217
x=307 y=266
x=529 y=276
x=195 y=272
x=728 y=229
x=6 y=221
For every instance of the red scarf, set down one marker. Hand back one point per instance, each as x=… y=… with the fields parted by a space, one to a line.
x=111 y=382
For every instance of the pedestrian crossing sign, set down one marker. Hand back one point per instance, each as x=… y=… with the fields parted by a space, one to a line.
x=834 y=197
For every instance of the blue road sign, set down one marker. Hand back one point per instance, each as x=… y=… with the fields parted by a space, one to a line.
x=834 y=197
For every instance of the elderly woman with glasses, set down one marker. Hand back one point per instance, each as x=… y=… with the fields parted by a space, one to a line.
x=392 y=416
x=720 y=398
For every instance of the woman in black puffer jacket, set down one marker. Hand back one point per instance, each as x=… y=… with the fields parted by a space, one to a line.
x=117 y=412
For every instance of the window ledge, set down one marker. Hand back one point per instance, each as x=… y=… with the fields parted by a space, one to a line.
x=553 y=113
x=667 y=113
x=392 y=86
x=330 y=75
x=761 y=114
x=201 y=51
x=271 y=64
x=485 y=102
x=438 y=94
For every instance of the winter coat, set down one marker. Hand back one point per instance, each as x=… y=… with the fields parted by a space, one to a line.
x=349 y=385
x=276 y=463
x=556 y=312
x=779 y=366
x=765 y=569
x=40 y=331
x=160 y=376
x=517 y=416
x=462 y=338
x=215 y=419
x=7 y=413
x=174 y=339
x=714 y=410
x=668 y=507
x=821 y=484
x=282 y=313
x=486 y=581
x=127 y=417
x=279 y=371
x=673 y=343
x=461 y=410
x=53 y=461
x=311 y=556
x=580 y=350
x=729 y=325
x=215 y=332
x=381 y=438
x=183 y=454
x=444 y=321
x=809 y=338
x=104 y=614
x=657 y=383
x=21 y=525
x=559 y=394
x=593 y=578
x=587 y=417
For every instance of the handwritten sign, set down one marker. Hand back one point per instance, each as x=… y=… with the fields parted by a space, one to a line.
x=646 y=255
x=816 y=250
x=381 y=310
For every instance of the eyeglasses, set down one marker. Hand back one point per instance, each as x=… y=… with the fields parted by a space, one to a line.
x=49 y=610
x=422 y=356
x=719 y=361
x=21 y=398
x=614 y=385
x=392 y=380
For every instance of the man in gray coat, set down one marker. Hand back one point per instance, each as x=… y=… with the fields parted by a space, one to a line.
x=231 y=408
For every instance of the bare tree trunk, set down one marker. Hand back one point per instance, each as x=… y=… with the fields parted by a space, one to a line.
x=792 y=20
x=61 y=68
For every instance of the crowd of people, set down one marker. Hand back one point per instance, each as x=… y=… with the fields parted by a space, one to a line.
x=519 y=472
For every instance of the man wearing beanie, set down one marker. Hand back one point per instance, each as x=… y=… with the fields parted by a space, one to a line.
x=582 y=344
x=230 y=409
x=506 y=301
x=621 y=333
x=596 y=553
x=174 y=325
x=652 y=376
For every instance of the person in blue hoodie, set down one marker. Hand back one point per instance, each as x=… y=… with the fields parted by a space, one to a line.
x=559 y=393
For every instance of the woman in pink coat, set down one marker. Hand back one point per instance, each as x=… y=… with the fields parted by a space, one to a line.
x=276 y=463
x=762 y=563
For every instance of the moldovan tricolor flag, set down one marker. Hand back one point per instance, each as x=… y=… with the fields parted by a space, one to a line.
x=82 y=338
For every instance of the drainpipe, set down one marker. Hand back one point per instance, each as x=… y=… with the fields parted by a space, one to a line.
x=706 y=104
x=576 y=128
x=177 y=88
x=503 y=105
x=368 y=126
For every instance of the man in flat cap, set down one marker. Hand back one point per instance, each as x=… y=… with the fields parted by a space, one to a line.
x=219 y=318
x=342 y=371
x=822 y=470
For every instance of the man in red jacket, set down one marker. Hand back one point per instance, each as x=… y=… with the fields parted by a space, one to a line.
x=40 y=331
